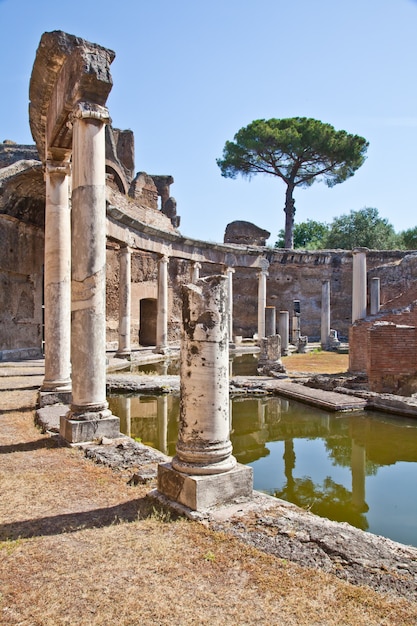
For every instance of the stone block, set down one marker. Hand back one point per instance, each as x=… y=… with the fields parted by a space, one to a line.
x=80 y=431
x=48 y=398
x=203 y=492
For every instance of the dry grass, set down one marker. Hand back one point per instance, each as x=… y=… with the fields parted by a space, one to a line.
x=80 y=547
x=317 y=362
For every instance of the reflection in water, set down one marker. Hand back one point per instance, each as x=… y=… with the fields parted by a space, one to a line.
x=240 y=365
x=359 y=467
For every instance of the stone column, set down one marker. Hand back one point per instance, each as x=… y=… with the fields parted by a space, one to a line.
x=89 y=416
x=262 y=300
x=204 y=472
x=124 y=349
x=359 y=284
x=57 y=279
x=195 y=272
x=270 y=321
x=375 y=296
x=325 y=313
x=162 y=307
x=229 y=274
x=204 y=381
x=284 y=331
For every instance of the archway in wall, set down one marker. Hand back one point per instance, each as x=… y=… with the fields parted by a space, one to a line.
x=147 y=322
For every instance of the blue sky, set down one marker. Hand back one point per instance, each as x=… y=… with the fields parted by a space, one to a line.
x=189 y=74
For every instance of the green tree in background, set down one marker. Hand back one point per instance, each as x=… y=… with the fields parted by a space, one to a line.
x=299 y=151
x=364 y=228
x=409 y=238
x=309 y=235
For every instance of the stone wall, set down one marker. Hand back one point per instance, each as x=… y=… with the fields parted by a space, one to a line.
x=21 y=262
x=292 y=276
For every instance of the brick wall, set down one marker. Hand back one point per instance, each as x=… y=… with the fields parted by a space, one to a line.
x=391 y=356
x=358 y=333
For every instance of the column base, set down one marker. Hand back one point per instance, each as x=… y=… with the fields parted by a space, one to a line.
x=57 y=386
x=162 y=350
x=123 y=354
x=82 y=430
x=199 y=493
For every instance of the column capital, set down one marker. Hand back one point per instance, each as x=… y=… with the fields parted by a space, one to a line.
x=263 y=265
x=59 y=168
x=164 y=259
x=88 y=111
x=229 y=270
x=125 y=250
x=197 y=265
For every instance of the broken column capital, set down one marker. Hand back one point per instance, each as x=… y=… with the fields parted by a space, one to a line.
x=89 y=110
x=57 y=168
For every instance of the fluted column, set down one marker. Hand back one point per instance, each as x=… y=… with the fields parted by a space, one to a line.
x=325 y=313
x=124 y=348
x=57 y=278
x=229 y=274
x=359 y=284
x=262 y=275
x=89 y=415
x=162 y=307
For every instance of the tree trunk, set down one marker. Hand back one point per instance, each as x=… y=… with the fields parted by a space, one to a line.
x=289 y=216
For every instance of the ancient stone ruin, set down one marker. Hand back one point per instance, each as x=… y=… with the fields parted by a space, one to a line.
x=127 y=286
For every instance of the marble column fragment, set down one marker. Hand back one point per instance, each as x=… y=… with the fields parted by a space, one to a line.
x=124 y=347
x=204 y=473
x=89 y=416
x=204 y=445
x=162 y=307
x=359 y=294
x=57 y=279
x=325 y=314
x=375 y=296
x=229 y=274
x=284 y=331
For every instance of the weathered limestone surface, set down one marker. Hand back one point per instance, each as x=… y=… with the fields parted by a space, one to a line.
x=21 y=261
x=204 y=445
x=245 y=233
x=10 y=153
x=67 y=70
x=287 y=532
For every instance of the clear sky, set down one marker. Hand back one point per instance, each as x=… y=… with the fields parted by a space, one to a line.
x=189 y=74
